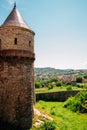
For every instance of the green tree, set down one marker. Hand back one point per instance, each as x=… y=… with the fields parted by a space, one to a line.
x=37 y=84
x=59 y=83
x=53 y=80
x=85 y=76
x=79 y=79
x=50 y=86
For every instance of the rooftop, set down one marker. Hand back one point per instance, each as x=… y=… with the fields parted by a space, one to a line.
x=15 y=19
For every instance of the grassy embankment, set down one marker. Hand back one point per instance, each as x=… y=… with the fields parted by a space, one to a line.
x=56 y=89
x=64 y=119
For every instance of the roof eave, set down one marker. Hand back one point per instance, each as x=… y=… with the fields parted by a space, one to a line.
x=17 y=27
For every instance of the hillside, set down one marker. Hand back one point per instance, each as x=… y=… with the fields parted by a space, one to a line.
x=52 y=72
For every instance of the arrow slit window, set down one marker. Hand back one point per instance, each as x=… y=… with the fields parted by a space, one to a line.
x=29 y=43
x=0 y=44
x=15 y=41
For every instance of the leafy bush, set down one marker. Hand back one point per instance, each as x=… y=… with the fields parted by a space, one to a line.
x=73 y=83
x=79 y=79
x=69 y=88
x=85 y=86
x=50 y=86
x=76 y=103
x=59 y=83
x=53 y=80
x=52 y=112
x=48 y=125
x=85 y=76
x=37 y=84
x=80 y=85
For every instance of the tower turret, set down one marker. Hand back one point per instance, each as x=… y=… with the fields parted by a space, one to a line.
x=16 y=71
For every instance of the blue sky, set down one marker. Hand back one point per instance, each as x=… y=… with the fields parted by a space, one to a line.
x=60 y=27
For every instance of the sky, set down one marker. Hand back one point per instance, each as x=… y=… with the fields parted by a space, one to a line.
x=60 y=28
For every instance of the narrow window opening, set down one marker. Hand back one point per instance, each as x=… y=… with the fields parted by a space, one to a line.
x=15 y=41
x=0 y=44
x=29 y=43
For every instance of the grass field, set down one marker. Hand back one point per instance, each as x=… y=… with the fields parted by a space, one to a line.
x=64 y=119
x=55 y=89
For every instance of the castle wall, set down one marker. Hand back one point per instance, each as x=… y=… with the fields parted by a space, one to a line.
x=56 y=96
x=16 y=91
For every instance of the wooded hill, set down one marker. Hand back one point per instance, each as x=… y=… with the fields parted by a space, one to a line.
x=52 y=72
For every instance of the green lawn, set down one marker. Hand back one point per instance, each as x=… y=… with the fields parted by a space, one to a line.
x=55 y=89
x=64 y=119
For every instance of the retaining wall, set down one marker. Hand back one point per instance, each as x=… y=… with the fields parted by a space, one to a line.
x=55 y=96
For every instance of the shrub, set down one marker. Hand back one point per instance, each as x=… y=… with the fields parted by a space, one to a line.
x=43 y=107
x=50 y=86
x=69 y=88
x=53 y=80
x=80 y=85
x=37 y=84
x=73 y=83
x=85 y=76
x=59 y=83
x=52 y=112
x=79 y=79
x=76 y=103
x=85 y=86
x=48 y=125
x=83 y=108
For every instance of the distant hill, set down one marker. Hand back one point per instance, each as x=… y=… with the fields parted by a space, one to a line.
x=52 y=72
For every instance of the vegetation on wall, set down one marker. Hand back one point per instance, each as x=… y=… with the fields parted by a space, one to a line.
x=77 y=103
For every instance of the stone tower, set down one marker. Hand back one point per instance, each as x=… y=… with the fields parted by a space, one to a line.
x=16 y=72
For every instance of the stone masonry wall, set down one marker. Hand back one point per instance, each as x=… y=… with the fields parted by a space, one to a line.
x=25 y=38
x=55 y=96
x=16 y=91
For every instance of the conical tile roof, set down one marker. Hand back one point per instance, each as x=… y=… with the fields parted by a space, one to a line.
x=15 y=19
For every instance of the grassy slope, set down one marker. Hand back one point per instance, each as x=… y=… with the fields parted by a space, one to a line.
x=64 y=119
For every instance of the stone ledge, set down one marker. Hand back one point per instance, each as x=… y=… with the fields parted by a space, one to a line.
x=17 y=53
